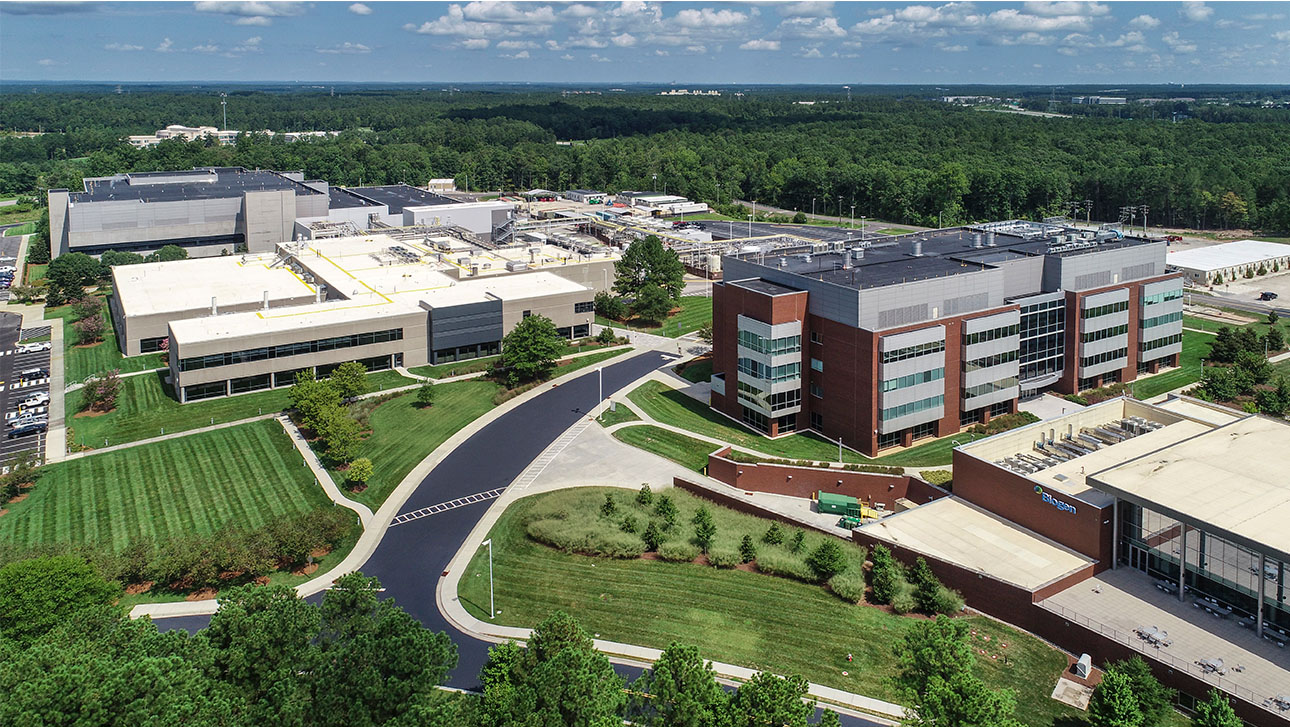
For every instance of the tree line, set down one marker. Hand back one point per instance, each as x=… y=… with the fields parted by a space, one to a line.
x=904 y=160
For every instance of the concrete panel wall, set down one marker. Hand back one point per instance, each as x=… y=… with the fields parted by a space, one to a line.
x=58 y=204
x=268 y=218
x=559 y=308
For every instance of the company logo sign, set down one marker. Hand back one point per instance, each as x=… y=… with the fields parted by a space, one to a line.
x=1066 y=506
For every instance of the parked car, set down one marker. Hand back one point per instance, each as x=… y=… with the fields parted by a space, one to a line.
x=27 y=420
x=1267 y=295
x=39 y=398
x=34 y=347
x=33 y=373
x=8 y=269
x=28 y=429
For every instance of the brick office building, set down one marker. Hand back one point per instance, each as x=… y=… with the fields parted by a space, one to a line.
x=882 y=343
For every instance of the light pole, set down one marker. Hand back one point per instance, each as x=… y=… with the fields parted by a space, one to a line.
x=600 y=383
x=812 y=208
x=654 y=184
x=750 y=225
x=861 y=228
x=223 y=102
x=839 y=209
x=492 y=608
x=853 y=217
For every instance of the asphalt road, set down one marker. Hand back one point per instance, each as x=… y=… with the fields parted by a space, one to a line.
x=411 y=557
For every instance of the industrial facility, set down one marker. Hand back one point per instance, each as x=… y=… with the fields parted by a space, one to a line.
x=1230 y=260
x=882 y=343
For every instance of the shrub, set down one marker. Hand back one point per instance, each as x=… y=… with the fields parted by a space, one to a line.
x=828 y=559
x=608 y=507
x=723 y=557
x=360 y=471
x=630 y=525
x=940 y=478
x=795 y=546
x=425 y=395
x=606 y=336
x=1076 y=398
x=779 y=563
x=903 y=602
x=666 y=509
x=586 y=540
x=887 y=575
x=653 y=536
x=645 y=496
x=848 y=586
x=947 y=601
x=678 y=551
x=747 y=550
x=774 y=535
x=927 y=587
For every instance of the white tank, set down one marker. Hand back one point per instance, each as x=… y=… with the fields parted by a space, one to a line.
x=714 y=263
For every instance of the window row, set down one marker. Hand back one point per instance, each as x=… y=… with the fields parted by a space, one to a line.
x=913 y=407
x=914 y=379
x=993 y=334
x=1058 y=304
x=1038 y=324
x=230 y=358
x=1160 y=342
x=1099 y=358
x=1104 y=310
x=771 y=346
x=1103 y=334
x=1162 y=320
x=922 y=349
x=774 y=402
x=1174 y=294
x=584 y=307
x=972 y=392
x=757 y=369
x=986 y=362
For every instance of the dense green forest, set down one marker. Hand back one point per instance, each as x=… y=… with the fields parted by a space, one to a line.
x=900 y=159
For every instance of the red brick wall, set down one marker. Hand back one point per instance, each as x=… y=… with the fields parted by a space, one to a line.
x=806 y=481
x=1089 y=530
x=728 y=303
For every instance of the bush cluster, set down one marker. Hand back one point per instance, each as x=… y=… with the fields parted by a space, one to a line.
x=940 y=478
x=185 y=562
x=1005 y=422
x=917 y=590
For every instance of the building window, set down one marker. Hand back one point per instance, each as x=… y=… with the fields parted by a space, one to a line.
x=971 y=392
x=924 y=430
x=786 y=424
x=1089 y=382
x=913 y=407
x=756 y=420
x=986 y=362
x=1001 y=408
x=582 y=330
x=231 y=358
x=817 y=421
x=1102 y=335
x=991 y=335
x=772 y=346
x=922 y=349
x=1160 y=342
x=773 y=402
x=1099 y=358
x=1104 y=310
x=816 y=337
x=584 y=307
x=756 y=369
x=1162 y=320
x=526 y=314
x=248 y=383
x=1168 y=295
x=197 y=392
x=968 y=418
x=1043 y=333
x=889 y=439
x=817 y=365
x=287 y=378
x=914 y=379
x=151 y=345
x=817 y=391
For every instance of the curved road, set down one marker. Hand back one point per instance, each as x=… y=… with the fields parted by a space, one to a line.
x=411 y=557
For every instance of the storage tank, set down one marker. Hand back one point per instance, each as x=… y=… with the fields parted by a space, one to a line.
x=714 y=263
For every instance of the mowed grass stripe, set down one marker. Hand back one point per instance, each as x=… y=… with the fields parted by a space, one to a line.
x=245 y=476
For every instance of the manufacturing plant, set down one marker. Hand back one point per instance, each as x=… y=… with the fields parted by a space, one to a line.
x=223 y=136
x=1230 y=260
x=250 y=322
x=1158 y=528
x=881 y=343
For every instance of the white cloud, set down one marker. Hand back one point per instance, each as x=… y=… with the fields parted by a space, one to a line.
x=165 y=45
x=46 y=62
x=696 y=49
x=759 y=44
x=516 y=44
x=954 y=48
x=250 y=45
x=707 y=18
x=360 y=9
x=809 y=53
x=1177 y=44
x=805 y=9
x=487 y=20
x=1023 y=39
x=626 y=40
x=257 y=20
x=509 y=12
x=798 y=27
x=517 y=56
x=126 y=47
x=1284 y=35
x=586 y=43
x=1009 y=19
x=578 y=10
x=346 y=48
x=1050 y=9
x=566 y=57
x=205 y=48
x=661 y=53
x=1196 y=12
x=597 y=58
x=1144 y=22
x=475 y=43
x=251 y=13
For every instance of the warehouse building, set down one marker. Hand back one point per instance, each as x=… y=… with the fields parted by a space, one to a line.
x=1230 y=260
x=246 y=323
x=880 y=344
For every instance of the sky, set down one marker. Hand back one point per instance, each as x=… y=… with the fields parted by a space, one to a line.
x=654 y=42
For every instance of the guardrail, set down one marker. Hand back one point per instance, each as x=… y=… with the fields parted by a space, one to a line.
x=1190 y=668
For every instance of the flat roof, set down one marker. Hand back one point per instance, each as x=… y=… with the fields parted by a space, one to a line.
x=228 y=182
x=185 y=285
x=764 y=287
x=341 y=198
x=958 y=532
x=398 y=196
x=1230 y=480
x=1226 y=255
x=286 y=318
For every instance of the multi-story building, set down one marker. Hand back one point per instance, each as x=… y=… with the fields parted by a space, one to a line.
x=882 y=343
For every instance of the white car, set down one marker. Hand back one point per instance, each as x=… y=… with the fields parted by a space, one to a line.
x=8 y=269
x=38 y=399
x=34 y=347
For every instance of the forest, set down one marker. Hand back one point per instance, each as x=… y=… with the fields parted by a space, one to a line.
x=904 y=159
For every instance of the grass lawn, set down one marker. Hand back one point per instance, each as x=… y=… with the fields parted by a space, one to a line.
x=24 y=229
x=36 y=272
x=622 y=413
x=244 y=475
x=12 y=213
x=750 y=619
x=81 y=362
x=686 y=451
x=403 y=434
x=473 y=365
x=697 y=371
x=1195 y=346
x=146 y=405
x=695 y=313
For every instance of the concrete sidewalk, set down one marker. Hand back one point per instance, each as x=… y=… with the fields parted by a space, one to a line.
x=321 y=474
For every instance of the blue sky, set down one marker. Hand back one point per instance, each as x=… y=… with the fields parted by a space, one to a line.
x=682 y=42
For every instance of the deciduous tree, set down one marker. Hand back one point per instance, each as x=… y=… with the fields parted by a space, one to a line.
x=530 y=350
x=652 y=304
x=350 y=380
x=40 y=593
x=647 y=262
x=1113 y=703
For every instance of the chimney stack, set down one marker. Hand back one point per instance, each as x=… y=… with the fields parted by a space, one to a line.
x=214 y=308
x=266 y=300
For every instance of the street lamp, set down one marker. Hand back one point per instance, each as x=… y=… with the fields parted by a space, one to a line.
x=600 y=382
x=812 y=207
x=750 y=226
x=853 y=217
x=492 y=609
x=861 y=228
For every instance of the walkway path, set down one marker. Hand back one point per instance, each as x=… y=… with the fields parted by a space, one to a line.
x=81 y=384
x=166 y=437
x=321 y=473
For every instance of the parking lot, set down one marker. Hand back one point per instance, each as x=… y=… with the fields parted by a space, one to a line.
x=24 y=397
x=8 y=258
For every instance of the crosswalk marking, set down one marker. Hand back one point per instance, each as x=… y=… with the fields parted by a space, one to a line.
x=408 y=517
x=536 y=468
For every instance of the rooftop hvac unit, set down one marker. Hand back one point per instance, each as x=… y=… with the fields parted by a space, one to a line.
x=515 y=265
x=918 y=248
x=976 y=239
x=989 y=239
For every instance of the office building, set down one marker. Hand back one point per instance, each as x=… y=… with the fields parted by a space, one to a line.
x=881 y=343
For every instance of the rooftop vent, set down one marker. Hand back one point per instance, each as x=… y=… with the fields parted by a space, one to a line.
x=918 y=248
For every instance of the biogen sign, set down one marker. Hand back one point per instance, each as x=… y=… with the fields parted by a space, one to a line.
x=1066 y=506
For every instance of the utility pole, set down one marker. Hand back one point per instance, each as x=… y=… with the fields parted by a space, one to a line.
x=492 y=606
x=223 y=102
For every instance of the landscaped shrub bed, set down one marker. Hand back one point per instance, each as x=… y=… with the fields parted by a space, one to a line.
x=745 y=458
